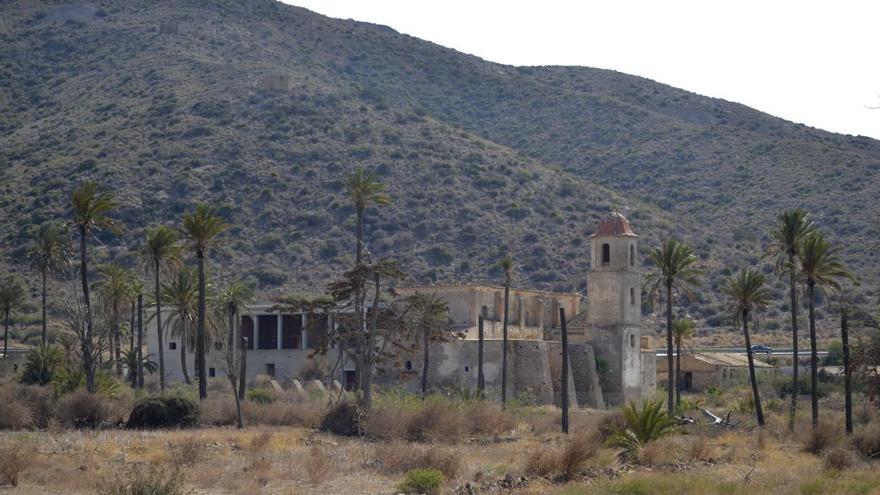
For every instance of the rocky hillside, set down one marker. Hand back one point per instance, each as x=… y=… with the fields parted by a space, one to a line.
x=261 y=109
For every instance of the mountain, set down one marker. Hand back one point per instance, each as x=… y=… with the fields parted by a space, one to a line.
x=261 y=109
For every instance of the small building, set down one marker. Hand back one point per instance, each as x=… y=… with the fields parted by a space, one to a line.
x=721 y=369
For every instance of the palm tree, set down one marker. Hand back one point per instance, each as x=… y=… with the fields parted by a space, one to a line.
x=161 y=255
x=49 y=255
x=11 y=297
x=506 y=264
x=364 y=189
x=201 y=228
x=682 y=330
x=749 y=297
x=676 y=273
x=180 y=294
x=790 y=230
x=819 y=267
x=114 y=289
x=430 y=323
x=230 y=302
x=90 y=214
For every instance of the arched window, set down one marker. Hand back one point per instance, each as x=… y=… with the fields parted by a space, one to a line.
x=632 y=255
x=632 y=296
x=606 y=254
x=632 y=340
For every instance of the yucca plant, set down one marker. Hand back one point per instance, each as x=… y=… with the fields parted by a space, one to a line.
x=645 y=422
x=41 y=364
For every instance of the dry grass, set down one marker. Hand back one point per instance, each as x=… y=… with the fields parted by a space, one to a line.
x=565 y=459
x=13 y=459
x=400 y=457
x=187 y=451
x=318 y=465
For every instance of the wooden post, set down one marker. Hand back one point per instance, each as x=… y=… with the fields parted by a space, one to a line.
x=847 y=369
x=564 y=370
x=481 y=380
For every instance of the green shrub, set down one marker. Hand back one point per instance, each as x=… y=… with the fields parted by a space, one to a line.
x=343 y=419
x=645 y=422
x=163 y=412
x=421 y=480
x=260 y=395
x=41 y=365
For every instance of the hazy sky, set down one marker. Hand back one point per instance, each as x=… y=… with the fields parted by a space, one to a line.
x=817 y=63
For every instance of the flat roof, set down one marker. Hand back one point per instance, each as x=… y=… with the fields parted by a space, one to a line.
x=467 y=285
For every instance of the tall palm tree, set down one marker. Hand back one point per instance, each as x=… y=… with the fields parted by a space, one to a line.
x=49 y=255
x=682 y=331
x=506 y=264
x=787 y=235
x=364 y=189
x=90 y=214
x=114 y=290
x=11 y=297
x=676 y=274
x=200 y=228
x=161 y=256
x=749 y=297
x=180 y=295
x=819 y=267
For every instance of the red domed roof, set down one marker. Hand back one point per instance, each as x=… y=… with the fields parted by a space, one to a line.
x=614 y=224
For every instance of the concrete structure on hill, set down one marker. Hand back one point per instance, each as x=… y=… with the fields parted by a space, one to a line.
x=609 y=360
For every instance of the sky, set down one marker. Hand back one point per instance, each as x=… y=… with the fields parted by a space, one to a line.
x=816 y=63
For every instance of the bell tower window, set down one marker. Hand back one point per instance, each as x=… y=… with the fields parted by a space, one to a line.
x=632 y=296
x=632 y=255
x=606 y=254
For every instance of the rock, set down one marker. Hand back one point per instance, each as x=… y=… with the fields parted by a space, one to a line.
x=275 y=386
x=296 y=385
x=315 y=386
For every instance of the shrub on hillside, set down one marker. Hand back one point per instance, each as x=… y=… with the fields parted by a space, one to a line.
x=421 y=481
x=437 y=421
x=164 y=412
x=81 y=409
x=343 y=419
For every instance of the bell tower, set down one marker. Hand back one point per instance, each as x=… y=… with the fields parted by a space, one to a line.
x=614 y=313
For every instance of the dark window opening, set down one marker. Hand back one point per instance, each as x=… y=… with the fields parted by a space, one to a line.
x=632 y=255
x=467 y=369
x=317 y=332
x=632 y=295
x=218 y=346
x=606 y=254
x=247 y=330
x=270 y=369
x=172 y=346
x=632 y=340
x=408 y=366
x=291 y=331
x=267 y=326
x=484 y=311
x=350 y=380
x=212 y=372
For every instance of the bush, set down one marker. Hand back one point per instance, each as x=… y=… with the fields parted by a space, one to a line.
x=489 y=419
x=818 y=439
x=14 y=413
x=260 y=395
x=343 y=419
x=866 y=440
x=14 y=458
x=645 y=422
x=400 y=457
x=421 y=481
x=81 y=409
x=163 y=412
x=41 y=365
x=839 y=458
x=153 y=481
x=318 y=465
x=438 y=421
x=563 y=460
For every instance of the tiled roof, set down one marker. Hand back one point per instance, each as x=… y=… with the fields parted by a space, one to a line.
x=614 y=224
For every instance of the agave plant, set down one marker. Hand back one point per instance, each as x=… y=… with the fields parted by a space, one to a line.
x=645 y=422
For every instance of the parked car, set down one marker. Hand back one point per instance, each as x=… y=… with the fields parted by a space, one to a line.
x=762 y=349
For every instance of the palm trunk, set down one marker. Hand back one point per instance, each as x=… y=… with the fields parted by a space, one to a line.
x=425 y=362
x=359 y=301
x=795 y=385
x=232 y=364
x=814 y=359
x=759 y=412
x=481 y=379
x=242 y=377
x=6 y=334
x=368 y=352
x=117 y=341
x=83 y=269
x=131 y=325
x=678 y=374
x=504 y=343
x=183 y=355
x=43 y=296
x=200 y=332
x=564 y=388
x=159 y=327
x=140 y=342
x=847 y=370
x=670 y=381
